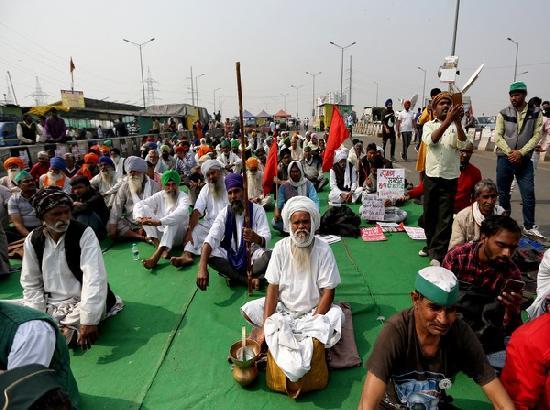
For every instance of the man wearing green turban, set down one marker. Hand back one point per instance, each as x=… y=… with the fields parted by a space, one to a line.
x=166 y=212
x=230 y=160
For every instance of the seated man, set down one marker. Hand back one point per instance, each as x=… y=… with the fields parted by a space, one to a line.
x=302 y=276
x=89 y=169
x=254 y=180
x=12 y=166
x=467 y=222
x=106 y=182
x=185 y=160
x=118 y=160
x=88 y=206
x=164 y=214
x=312 y=166
x=225 y=248
x=421 y=349
x=538 y=307
x=282 y=168
x=296 y=185
x=470 y=175
x=343 y=180
x=230 y=161
x=20 y=209
x=63 y=273
x=484 y=269
x=134 y=188
x=32 y=337
x=55 y=177
x=211 y=200
x=166 y=161
x=526 y=375
x=41 y=167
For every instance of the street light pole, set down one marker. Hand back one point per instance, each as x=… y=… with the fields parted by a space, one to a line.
x=140 y=46
x=423 y=86
x=215 y=89
x=313 y=75
x=376 y=103
x=457 y=8
x=297 y=87
x=342 y=65
x=517 y=50
x=197 y=86
x=284 y=97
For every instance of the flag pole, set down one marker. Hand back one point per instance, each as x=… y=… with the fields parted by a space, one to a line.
x=247 y=221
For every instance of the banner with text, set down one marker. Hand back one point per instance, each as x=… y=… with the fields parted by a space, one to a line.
x=390 y=183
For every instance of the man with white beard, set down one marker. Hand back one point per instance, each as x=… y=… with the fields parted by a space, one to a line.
x=56 y=176
x=118 y=161
x=12 y=166
x=166 y=214
x=225 y=247
x=106 y=182
x=211 y=200
x=302 y=276
x=134 y=188
x=254 y=180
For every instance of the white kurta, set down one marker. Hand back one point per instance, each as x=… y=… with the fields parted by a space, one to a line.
x=174 y=220
x=217 y=232
x=232 y=159
x=335 y=192
x=119 y=167
x=209 y=207
x=33 y=343
x=56 y=290
x=106 y=189
x=289 y=331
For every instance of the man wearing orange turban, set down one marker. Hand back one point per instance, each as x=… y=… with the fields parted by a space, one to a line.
x=12 y=166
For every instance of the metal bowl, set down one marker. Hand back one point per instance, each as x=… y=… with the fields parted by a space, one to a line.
x=252 y=350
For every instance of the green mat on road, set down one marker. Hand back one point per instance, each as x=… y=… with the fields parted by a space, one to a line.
x=168 y=348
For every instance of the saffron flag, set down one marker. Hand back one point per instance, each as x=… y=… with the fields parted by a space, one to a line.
x=270 y=170
x=71 y=65
x=337 y=135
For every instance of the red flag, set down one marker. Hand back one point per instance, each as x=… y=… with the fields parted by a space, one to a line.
x=71 y=65
x=337 y=135
x=270 y=170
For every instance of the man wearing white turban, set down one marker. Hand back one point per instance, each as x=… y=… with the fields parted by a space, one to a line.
x=302 y=276
x=212 y=199
x=343 y=180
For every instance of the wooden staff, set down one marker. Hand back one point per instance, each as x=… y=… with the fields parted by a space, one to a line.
x=247 y=221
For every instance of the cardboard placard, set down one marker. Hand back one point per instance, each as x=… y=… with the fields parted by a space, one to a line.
x=373 y=208
x=373 y=234
x=390 y=183
x=415 y=233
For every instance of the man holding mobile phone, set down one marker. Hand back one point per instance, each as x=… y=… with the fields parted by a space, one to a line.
x=490 y=282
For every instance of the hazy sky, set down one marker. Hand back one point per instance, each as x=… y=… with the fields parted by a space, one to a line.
x=276 y=43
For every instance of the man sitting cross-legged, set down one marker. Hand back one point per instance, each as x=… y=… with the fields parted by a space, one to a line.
x=136 y=186
x=302 y=276
x=63 y=273
x=164 y=214
x=225 y=248
x=420 y=350
x=211 y=200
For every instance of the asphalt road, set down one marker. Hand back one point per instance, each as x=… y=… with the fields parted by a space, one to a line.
x=486 y=162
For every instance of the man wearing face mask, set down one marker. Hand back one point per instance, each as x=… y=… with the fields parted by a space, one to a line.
x=12 y=165
x=225 y=249
x=302 y=276
x=490 y=301
x=63 y=273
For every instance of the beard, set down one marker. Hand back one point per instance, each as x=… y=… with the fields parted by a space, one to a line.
x=135 y=183
x=106 y=176
x=12 y=172
x=171 y=199
x=301 y=256
x=53 y=178
x=216 y=188
x=59 y=226
x=237 y=207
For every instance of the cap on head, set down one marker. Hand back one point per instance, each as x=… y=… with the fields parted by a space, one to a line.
x=518 y=86
x=438 y=284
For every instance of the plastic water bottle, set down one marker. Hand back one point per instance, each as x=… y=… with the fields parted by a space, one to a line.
x=135 y=252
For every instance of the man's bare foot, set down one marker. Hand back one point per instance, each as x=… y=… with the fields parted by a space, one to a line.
x=149 y=263
x=256 y=283
x=165 y=254
x=181 y=261
x=153 y=241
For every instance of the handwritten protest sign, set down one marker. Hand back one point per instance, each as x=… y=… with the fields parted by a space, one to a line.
x=390 y=183
x=373 y=208
x=415 y=233
x=373 y=234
